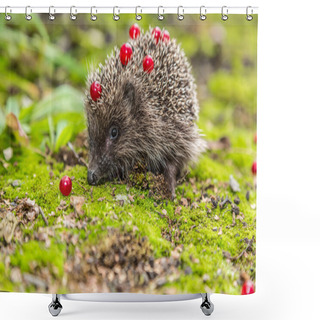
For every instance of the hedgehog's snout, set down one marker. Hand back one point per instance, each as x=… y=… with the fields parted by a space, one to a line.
x=92 y=178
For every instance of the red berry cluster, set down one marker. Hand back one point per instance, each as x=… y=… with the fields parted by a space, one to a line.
x=126 y=51
x=126 y=54
x=165 y=36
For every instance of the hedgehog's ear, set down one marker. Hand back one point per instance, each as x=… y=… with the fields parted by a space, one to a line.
x=129 y=95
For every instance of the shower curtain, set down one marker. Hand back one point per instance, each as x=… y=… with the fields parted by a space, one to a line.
x=128 y=154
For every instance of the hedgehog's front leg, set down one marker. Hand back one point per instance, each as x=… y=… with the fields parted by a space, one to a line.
x=170 y=175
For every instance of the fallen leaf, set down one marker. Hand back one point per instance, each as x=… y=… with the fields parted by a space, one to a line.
x=77 y=203
x=63 y=205
x=13 y=123
x=226 y=254
x=8 y=153
x=8 y=226
x=122 y=198
x=68 y=222
x=184 y=202
x=16 y=183
x=206 y=278
x=194 y=205
x=234 y=185
x=178 y=210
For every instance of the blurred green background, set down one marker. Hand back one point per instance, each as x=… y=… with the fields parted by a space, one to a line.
x=44 y=64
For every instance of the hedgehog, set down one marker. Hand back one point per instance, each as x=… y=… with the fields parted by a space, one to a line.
x=141 y=108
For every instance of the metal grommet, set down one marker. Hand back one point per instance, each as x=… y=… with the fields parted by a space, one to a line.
x=138 y=16
x=51 y=15
x=28 y=16
x=180 y=14
x=7 y=16
x=249 y=17
x=224 y=13
x=93 y=16
x=73 y=16
x=116 y=16
x=160 y=16
x=203 y=12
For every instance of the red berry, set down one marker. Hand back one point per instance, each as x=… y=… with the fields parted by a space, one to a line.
x=125 y=53
x=148 y=64
x=134 y=31
x=247 y=288
x=95 y=91
x=156 y=34
x=165 y=36
x=254 y=168
x=65 y=185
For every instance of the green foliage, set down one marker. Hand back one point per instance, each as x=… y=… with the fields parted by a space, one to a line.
x=234 y=89
x=2 y=121
x=35 y=252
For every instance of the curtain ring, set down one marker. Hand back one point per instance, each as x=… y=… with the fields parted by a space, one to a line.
x=73 y=16
x=224 y=15
x=93 y=16
x=203 y=14
x=116 y=17
x=180 y=15
x=138 y=16
x=51 y=15
x=7 y=16
x=160 y=16
x=28 y=16
x=249 y=17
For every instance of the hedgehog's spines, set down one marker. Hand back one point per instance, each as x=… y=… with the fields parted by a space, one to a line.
x=161 y=129
x=174 y=68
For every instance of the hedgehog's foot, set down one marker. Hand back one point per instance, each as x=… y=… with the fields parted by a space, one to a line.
x=170 y=176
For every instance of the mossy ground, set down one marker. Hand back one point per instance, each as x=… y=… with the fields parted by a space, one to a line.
x=203 y=264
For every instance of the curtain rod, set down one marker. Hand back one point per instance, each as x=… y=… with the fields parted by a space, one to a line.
x=117 y=10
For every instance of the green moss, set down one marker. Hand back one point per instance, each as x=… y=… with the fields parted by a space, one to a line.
x=34 y=254
x=203 y=247
x=6 y=283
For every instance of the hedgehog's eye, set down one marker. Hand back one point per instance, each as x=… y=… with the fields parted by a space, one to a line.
x=113 y=133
